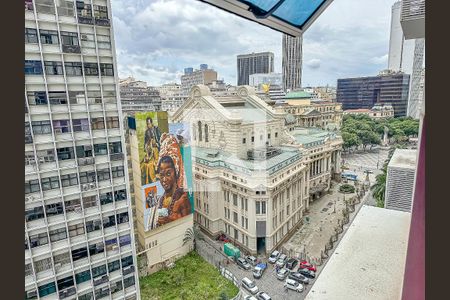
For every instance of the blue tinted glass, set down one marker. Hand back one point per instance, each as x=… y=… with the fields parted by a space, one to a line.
x=297 y=12
x=263 y=4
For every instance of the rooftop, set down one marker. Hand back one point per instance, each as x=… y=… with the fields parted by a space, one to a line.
x=403 y=158
x=311 y=137
x=360 y=268
x=298 y=95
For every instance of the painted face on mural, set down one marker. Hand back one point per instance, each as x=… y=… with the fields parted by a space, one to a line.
x=167 y=176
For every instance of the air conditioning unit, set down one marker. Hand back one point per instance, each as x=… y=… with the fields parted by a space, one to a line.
x=29 y=198
x=92 y=185
x=78 y=209
x=85 y=187
x=32 y=161
x=84 y=37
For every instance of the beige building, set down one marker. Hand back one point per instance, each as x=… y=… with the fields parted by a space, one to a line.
x=252 y=180
x=202 y=76
x=377 y=112
x=311 y=113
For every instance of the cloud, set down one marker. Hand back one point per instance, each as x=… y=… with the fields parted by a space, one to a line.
x=380 y=60
x=156 y=40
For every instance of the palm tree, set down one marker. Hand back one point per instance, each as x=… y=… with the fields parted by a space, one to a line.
x=192 y=234
x=379 y=188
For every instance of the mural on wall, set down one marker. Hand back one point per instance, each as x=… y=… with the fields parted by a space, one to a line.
x=166 y=169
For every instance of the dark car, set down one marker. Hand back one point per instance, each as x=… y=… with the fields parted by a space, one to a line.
x=307 y=273
x=298 y=277
x=291 y=263
x=242 y=263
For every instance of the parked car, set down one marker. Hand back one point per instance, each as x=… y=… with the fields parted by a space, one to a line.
x=281 y=260
x=282 y=274
x=298 y=277
x=259 y=270
x=293 y=285
x=291 y=263
x=242 y=263
x=263 y=296
x=249 y=285
x=251 y=260
x=274 y=256
x=250 y=297
x=306 y=265
x=222 y=237
x=307 y=273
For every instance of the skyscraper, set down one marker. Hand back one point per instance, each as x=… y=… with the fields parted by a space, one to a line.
x=292 y=62
x=191 y=78
x=406 y=56
x=248 y=64
x=79 y=240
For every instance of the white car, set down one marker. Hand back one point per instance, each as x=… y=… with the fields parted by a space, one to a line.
x=274 y=256
x=250 y=297
x=293 y=285
x=281 y=260
x=249 y=285
x=282 y=274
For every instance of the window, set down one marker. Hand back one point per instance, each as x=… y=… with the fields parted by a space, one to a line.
x=41 y=127
x=43 y=265
x=115 y=147
x=127 y=261
x=50 y=183
x=103 y=41
x=58 y=234
x=111 y=244
x=65 y=153
x=90 y=201
x=109 y=221
x=62 y=259
x=107 y=69
x=69 y=179
x=116 y=286
x=87 y=177
x=76 y=229
x=96 y=249
x=34 y=213
x=253 y=139
x=83 y=151
x=200 y=130
x=47 y=289
x=38 y=240
x=69 y=39
x=28 y=270
x=276 y=134
x=258 y=207
x=33 y=67
x=106 y=198
x=103 y=175
x=49 y=36
x=87 y=296
x=37 y=98
x=120 y=195
x=268 y=135
x=65 y=8
x=117 y=171
x=72 y=205
x=90 y=69
x=235 y=201
x=45 y=155
x=45 y=7
x=112 y=122
x=122 y=218
x=206 y=132
x=61 y=126
x=242 y=221
x=98 y=123
x=80 y=125
x=100 y=12
x=235 y=217
x=79 y=254
x=53 y=67
x=83 y=276
x=243 y=141
x=246 y=223
x=113 y=266
x=32 y=186
x=87 y=40
x=129 y=281
x=65 y=283
x=57 y=97
x=124 y=240
x=54 y=209
x=73 y=68
x=100 y=149
x=246 y=204
x=31 y=36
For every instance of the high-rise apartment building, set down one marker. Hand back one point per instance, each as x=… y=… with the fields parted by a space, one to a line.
x=79 y=240
x=364 y=92
x=406 y=55
x=292 y=62
x=248 y=64
x=135 y=95
x=191 y=78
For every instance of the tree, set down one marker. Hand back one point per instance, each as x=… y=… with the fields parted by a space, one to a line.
x=350 y=140
x=192 y=234
x=379 y=188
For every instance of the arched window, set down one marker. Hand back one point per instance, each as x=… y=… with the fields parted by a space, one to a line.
x=199 y=131
x=206 y=132
x=194 y=132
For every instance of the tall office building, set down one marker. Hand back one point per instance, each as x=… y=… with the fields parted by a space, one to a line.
x=79 y=240
x=292 y=62
x=191 y=78
x=406 y=55
x=135 y=95
x=364 y=92
x=248 y=64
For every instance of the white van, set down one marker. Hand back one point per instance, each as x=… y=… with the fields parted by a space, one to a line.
x=249 y=285
x=293 y=285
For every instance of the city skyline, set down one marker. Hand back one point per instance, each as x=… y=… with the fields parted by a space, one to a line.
x=157 y=40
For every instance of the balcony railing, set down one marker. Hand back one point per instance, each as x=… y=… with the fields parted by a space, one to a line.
x=67 y=293
x=116 y=156
x=101 y=280
x=128 y=270
x=86 y=161
x=71 y=49
x=102 y=22
x=86 y=20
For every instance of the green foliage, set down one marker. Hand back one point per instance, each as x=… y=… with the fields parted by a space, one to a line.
x=346 y=188
x=191 y=278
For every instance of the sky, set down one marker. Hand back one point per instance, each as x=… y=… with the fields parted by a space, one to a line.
x=156 y=39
